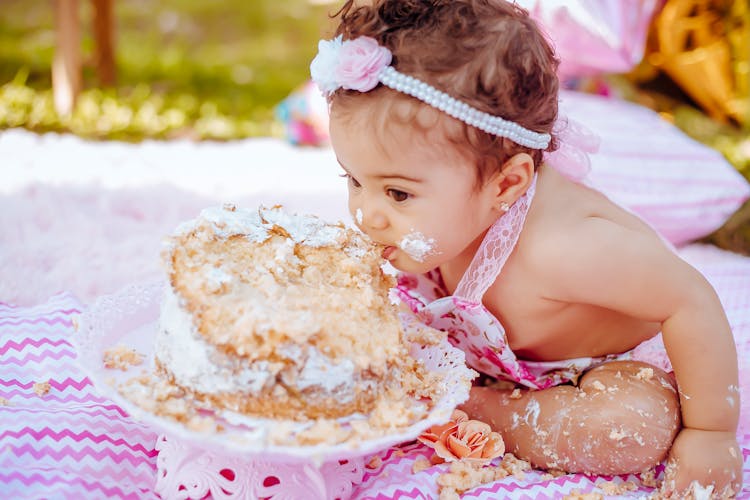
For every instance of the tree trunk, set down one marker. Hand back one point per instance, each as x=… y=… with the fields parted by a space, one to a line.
x=66 y=67
x=104 y=42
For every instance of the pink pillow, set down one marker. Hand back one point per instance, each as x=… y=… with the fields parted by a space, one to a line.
x=684 y=189
x=595 y=36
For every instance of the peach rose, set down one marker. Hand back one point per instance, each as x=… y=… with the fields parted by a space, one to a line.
x=464 y=439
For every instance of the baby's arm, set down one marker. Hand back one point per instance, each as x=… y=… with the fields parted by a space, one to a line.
x=604 y=264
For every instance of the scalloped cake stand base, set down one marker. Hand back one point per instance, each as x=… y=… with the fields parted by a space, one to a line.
x=188 y=472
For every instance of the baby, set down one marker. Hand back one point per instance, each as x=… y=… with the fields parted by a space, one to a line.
x=444 y=119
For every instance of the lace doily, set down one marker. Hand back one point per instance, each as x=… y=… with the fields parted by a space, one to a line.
x=130 y=317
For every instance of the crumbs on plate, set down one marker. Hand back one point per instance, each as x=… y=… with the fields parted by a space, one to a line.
x=121 y=357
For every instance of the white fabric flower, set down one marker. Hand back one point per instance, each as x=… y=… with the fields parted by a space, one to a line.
x=323 y=67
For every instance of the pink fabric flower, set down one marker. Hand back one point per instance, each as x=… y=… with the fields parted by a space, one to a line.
x=360 y=62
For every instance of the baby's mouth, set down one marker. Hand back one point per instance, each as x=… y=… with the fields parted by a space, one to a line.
x=387 y=252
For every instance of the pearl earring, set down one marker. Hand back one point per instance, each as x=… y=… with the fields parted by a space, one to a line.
x=504 y=206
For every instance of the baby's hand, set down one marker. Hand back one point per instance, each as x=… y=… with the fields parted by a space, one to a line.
x=710 y=458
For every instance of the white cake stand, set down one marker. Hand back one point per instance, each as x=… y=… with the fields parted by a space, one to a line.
x=241 y=461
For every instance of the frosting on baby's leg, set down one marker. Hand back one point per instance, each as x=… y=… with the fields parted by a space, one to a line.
x=622 y=418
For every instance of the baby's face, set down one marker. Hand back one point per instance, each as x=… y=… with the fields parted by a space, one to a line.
x=411 y=193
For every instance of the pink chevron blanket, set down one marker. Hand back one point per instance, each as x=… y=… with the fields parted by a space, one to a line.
x=66 y=441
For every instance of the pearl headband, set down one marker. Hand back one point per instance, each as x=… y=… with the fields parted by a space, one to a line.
x=360 y=64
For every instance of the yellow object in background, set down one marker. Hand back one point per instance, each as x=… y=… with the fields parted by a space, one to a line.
x=704 y=46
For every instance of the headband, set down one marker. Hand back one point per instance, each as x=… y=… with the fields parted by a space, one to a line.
x=360 y=64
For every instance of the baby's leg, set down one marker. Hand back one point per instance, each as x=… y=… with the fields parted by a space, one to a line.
x=621 y=418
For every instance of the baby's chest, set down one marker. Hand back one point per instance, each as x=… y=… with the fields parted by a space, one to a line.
x=543 y=329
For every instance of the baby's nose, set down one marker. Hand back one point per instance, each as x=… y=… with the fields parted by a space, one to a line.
x=369 y=220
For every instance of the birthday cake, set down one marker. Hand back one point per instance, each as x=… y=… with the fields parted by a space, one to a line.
x=281 y=316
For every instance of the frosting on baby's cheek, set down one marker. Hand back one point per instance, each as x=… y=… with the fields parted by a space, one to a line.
x=418 y=246
x=358 y=216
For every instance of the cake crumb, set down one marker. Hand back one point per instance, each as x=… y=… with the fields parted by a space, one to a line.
x=159 y=397
x=553 y=474
x=611 y=488
x=281 y=433
x=645 y=374
x=617 y=435
x=323 y=431
x=420 y=464
x=361 y=428
x=514 y=466
x=516 y=394
x=388 y=414
x=578 y=495
x=121 y=357
x=599 y=386
x=4 y=402
x=449 y=494
x=42 y=388
x=201 y=424
x=463 y=475
x=648 y=478
x=374 y=462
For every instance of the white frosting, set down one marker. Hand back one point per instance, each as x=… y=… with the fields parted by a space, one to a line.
x=356 y=252
x=305 y=229
x=285 y=253
x=358 y=216
x=198 y=365
x=216 y=278
x=192 y=361
x=701 y=492
x=417 y=245
x=319 y=371
x=255 y=225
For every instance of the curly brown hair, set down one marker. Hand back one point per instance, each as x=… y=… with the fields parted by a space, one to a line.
x=487 y=53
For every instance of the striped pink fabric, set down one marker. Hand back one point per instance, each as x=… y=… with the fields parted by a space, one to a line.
x=683 y=188
x=72 y=444
x=69 y=443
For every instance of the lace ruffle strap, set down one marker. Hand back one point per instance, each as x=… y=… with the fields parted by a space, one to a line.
x=495 y=249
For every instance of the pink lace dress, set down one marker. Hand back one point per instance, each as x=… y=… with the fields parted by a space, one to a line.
x=476 y=331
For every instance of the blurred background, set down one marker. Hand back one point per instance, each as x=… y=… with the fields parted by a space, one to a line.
x=232 y=69
x=206 y=70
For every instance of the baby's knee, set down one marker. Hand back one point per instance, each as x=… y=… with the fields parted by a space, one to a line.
x=632 y=419
x=640 y=388
x=622 y=440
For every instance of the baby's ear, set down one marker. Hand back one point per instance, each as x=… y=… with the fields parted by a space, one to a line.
x=513 y=180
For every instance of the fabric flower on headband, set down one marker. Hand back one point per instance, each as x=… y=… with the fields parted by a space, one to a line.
x=360 y=64
x=349 y=64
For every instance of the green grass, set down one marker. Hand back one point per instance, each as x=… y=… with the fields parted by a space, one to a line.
x=211 y=69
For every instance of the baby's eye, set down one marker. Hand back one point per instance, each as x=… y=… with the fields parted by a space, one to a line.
x=398 y=195
x=351 y=179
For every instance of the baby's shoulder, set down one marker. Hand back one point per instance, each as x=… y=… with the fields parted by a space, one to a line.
x=577 y=235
